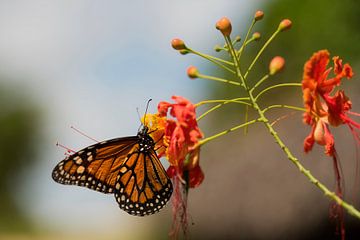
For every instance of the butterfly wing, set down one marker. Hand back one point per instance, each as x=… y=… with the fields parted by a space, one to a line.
x=142 y=187
x=97 y=166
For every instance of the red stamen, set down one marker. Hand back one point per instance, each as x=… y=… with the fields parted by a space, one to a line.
x=354 y=133
x=354 y=113
x=337 y=212
x=282 y=118
x=355 y=196
x=179 y=202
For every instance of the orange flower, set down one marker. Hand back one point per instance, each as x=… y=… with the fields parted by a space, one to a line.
x=156 y=125
x=181 y=138
x=182 y=135
x=322 y=109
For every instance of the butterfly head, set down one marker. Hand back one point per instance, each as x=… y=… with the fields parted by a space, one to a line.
x=145 y=140
x=143 y=131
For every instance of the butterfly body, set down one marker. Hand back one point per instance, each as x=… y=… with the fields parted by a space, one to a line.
x=128 y=167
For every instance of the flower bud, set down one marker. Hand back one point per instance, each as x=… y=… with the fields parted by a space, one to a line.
x=256 y=36
x=276 y=65
x=184 y=51
x=258 y=15
x=178 y=44
x=217 y=48
x=224 y=26
x=192 y=72
x=285 y=25
x=237 y=39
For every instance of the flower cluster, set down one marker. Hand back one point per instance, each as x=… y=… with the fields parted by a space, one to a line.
x=176 y=134
x=322 y=108
x=180 y=137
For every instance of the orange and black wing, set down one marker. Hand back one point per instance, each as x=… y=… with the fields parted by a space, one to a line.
x=97 y=166
x=142 y=187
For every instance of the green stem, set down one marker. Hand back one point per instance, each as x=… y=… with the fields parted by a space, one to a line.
x=244 y=45
x=302 y=169
x=245 y=41
x=219 y=48
x=307 y=173
x=211 y=57
x=217 y=79
x=214 y=60
x=208 y=139
x=221 y=101
x=236 y=100
x=259 y=82
x=225 y=48
x=236 y=61
x=261 y=51
x=277 y=86
x=246 y=118
x=283 y=106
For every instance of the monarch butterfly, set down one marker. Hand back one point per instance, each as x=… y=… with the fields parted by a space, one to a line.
x=127 y=167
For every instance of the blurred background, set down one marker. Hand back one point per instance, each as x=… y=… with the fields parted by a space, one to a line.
x=90 y=64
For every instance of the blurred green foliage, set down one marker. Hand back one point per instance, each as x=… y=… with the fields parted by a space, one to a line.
x=19 y=135
x=316 y=25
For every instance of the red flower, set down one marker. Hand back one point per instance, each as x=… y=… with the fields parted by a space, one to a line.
x=182 y=135
x=181 y=139
x=322 y=109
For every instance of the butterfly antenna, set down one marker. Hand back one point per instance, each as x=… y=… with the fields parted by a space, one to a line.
x=68 y=150
x=137 y=110
x=147 y=107
x=81 y=133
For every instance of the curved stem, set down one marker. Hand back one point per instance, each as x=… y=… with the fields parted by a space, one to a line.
x=218 y=49
x=208 y=139
x=244 y=45
x=217 y=79
x=311 y=177
x=353 y=211
x=206 y=56
x=263 y=79
x=220 y=105
x=261 y=51
x=245 y=40
x=246 y=118
x=225 y=48
x=236 y=61
x=221 y=101
x=277 y=86
x=283 y=106
x=214 y=60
